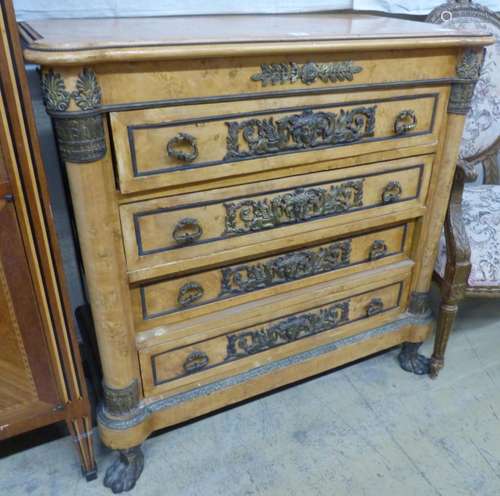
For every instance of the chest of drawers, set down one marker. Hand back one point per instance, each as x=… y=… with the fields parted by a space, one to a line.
x=258 y=198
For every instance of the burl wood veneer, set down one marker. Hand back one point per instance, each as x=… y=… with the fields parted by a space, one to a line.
x=258 y=198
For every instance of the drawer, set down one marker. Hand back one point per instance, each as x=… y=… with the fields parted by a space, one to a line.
x=189 y=232
x=165 y=302
x=167 y=367
x=238 y=77
x=172 y=146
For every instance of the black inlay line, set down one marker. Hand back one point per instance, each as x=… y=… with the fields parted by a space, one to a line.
x=154 y=358
x=215 y=118
x=138 y=215
x=149 y=316
x=235 y=97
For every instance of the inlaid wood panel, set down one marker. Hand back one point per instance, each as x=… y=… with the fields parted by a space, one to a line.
x=164 y=302
x=170 y=234
x=16 y=381
x=26 y=379
x=41 y=378
x=171 y=146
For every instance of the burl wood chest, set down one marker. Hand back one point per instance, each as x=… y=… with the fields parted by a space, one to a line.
x=258 y=198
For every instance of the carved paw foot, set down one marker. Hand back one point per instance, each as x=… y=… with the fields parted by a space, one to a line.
x=435 y=367
x=125 y=470
x=412 y=361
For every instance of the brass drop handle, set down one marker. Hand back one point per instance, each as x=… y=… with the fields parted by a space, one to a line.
x=405 y=122
x=189 y=294
x=392 y=192
x=375 y=306
x=196 y=361
x=187 y=231
x=378 y=249
x=183 y=147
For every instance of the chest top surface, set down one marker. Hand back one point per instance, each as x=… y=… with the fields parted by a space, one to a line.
x=71 y=41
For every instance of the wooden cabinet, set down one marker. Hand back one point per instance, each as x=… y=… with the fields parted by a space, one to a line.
x=41 y=381
x=257 y=201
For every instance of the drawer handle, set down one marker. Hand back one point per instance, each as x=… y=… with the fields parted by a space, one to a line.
x=179 y=141
x=187 y=231
x=189 y=293
x=378 y=249
x=405 y=122
x=197 y=360
x=392 y=192
x=375 y=306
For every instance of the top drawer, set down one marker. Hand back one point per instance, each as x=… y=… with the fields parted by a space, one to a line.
x=170 y=146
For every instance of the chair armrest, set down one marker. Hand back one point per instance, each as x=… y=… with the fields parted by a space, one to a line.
x=458 y=252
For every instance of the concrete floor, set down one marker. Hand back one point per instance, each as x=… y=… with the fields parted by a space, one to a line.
x=367 y=429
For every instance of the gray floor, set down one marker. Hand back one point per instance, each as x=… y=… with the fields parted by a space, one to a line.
x=368 y=429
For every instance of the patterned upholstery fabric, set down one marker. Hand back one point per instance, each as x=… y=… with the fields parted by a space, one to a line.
x=481 y=214
x=482 y=126
x=481 y=204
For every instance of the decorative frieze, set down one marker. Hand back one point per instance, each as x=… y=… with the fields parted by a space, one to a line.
x=87 y=94
x=281 y=73
x=286 y=330
x=285 y=268
x=80 y=137
x=121 y=401
x=295 y=206
x=308 y=130
x=468 y=70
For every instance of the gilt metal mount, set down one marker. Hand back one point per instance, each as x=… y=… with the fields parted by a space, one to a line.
x=309 y=73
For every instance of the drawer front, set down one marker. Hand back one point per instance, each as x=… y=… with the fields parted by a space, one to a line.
x=171 y=146
x=164 y=370
x=165 y=302
x=164 y=81
x=177 y=233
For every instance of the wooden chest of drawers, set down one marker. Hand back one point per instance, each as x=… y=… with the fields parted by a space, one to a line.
x=256 y=203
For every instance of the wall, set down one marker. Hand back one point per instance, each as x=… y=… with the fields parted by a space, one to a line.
x=30 y=9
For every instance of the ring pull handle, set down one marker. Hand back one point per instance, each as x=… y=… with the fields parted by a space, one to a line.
x=378 y=249
x=405 y=122
x=375 y=306
x=189 y=294
x=187 y=231
x=196 y=360
x=183 y=147
x=392 y=192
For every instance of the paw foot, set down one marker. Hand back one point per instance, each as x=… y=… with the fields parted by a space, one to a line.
x=123 y=473
x=412 y=361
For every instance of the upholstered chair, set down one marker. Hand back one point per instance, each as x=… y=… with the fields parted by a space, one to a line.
x=468 y=262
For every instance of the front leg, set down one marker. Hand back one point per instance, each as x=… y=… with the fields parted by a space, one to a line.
x=412 y=361
x=125 y=470
x=409 y=358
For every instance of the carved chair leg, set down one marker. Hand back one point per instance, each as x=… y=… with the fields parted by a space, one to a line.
x=81 y=432
x=458 y=265
x=123 y=473
x=446 y=320
x=412 y=361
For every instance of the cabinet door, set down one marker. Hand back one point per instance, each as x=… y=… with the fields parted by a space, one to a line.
x=27 y=385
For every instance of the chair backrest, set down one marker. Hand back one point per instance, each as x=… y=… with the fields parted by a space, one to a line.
x=482 y=125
